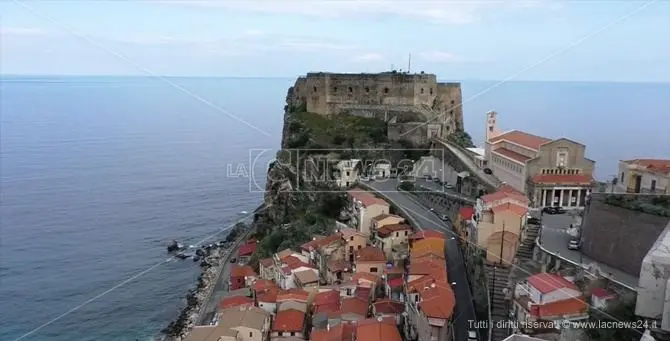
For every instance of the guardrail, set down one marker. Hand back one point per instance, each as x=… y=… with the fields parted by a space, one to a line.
x=582 y=266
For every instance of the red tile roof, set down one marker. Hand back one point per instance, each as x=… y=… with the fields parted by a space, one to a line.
x=327 y=297
x=386 y=306
x=262 y=285
x=575 y=179
x=387 y=230
x=269 y=295
x=366 y=198
x=370 y=254
x=247 y=249
x=364 y=277
x=373 y=330
x=466 y=212
x=235 y=301
x=292 y=295
x=512 y=155
x=340 y=332
x=505 y=192
x=521 y=138
x=438 y=302
x=395 y=282
x=267 y=262
x=317 y=243
x=509 y=207
x=571 y=307
x=289 y=320
x=546 y=282
x=656 y=165
x=327 y=308
x=423 y=234
x=338 y=265
x=355 y=305
x=241 y=271
x=364 y=293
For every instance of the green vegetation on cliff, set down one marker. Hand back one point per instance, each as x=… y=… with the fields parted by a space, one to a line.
x=313 y=131
x=652 y=204
x=461 y=138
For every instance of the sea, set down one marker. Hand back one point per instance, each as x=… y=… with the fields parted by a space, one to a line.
x=98 y=174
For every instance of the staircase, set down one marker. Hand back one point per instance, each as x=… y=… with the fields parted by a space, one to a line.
x=525 y=250
x=498 y=278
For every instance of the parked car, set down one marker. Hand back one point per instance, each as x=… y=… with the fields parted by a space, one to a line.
x=488 y=171
x=574 y=244
x=553 y=210
x=448 y=186
x=534 y=221
x=427 y=177
x=233 y=260
x=472 y=335
x=445 y=217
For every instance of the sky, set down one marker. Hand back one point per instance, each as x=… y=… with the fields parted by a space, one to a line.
x=622 y=41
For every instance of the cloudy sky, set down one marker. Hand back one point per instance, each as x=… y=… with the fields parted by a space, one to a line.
x=462 y=40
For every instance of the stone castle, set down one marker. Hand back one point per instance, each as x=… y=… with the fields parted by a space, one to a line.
x=415 y=106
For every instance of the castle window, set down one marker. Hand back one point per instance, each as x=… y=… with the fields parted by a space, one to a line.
x=351 y=89
x=386 y=90
x=422 y=90
x=335 y=89
x=453 y=102
x=451 y=113
x=314 y=89
x=431 y=91
x=367 y=89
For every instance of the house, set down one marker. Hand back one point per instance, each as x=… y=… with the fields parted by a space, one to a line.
x=601 y=297
x=463 y=219
x=386 y=219
x=644 y=176
x=548 y=297
x=365 y=279
x=245 y=251
x=370 y=259
x=285 y=305
x=552 y=172
x=394 y=283
x=291 y=265
x=348 y=172
x=241 y=276
x=235 y=301
x=388 y=309
x=424 y=234
x=235 y=324
x=365 y=206
x=354 y=240
x=430 y=301
x=391 y=237
x=296 y=295
x=267 y=300
x=307 y=279
x=500 y=219
x=321 y=251
x=326 y=302
x=336 y=270
x=289 y=322
x=353 y=309
x=340 y=332
x=374 y=330
x=267 y=268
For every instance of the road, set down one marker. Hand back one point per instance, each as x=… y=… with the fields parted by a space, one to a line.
x=465 y=311
x=472 y=168
x=554 y=238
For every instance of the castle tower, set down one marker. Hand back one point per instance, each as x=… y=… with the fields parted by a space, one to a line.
x=491 y=125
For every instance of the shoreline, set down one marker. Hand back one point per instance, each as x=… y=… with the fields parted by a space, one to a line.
x=198 y=299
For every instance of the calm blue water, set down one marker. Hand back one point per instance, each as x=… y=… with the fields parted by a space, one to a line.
x=99 y=173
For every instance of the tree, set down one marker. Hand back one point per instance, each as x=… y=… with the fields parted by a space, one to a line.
x=461 y=138
x=616 y=311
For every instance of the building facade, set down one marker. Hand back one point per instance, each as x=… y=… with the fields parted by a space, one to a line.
x=552 y=172
x=644 y=176
x=365 y=206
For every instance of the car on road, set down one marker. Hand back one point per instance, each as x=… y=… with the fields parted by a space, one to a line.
x=233 y=260
x=574 y=244
x=448 y=186
x=534 y=221
x=427 y=177
x=445 y=217
x=553 y=210
x=488 y=171
x=472 y=335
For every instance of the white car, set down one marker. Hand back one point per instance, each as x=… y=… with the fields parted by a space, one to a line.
x=448 y=186
x=472 y=335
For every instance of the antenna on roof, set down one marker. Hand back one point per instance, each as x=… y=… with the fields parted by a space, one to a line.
x=409 y=64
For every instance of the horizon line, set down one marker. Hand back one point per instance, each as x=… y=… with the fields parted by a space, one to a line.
x=17 y=75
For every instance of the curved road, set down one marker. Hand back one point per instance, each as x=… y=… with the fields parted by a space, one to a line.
x=465 y=311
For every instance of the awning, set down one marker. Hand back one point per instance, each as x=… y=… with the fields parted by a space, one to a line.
x=463 y=174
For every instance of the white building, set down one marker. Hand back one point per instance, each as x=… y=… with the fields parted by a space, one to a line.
x=644 y=176
x=479 y=156
x=653 y=291
x=348 y=172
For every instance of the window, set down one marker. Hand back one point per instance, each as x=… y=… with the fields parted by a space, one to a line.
x=314 y=89
x=431 y=91
x=405 y=232
x=397 y=234
x=422 y=90
x=251 y=334
x=359 y=247
x=453 y=102
x=367 y=89
x=351 y=89
x=373 y=270
x=292 y=333
x=335 y=89
x=386 y=90
x=451 y=113
x=416 y=298
x=561 y=159
x=347 y=173
x=490 y=128
x=653 y=185
x=351 y=238
x=621 y=180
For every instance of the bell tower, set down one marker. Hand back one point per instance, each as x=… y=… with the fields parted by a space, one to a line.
x=491 y=125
